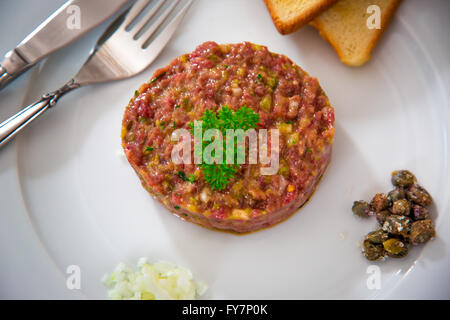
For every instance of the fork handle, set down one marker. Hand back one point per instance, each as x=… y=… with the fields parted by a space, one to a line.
x=13 y=125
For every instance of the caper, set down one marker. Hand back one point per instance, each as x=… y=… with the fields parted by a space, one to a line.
x=421 y=231
x=419 y=195
x=377 y=237
x=396 y=194
x=362 y=209
x=401 y=207
x=402 y=217
x=382 y=215
x=373 y=252
x=395 y=248
x=402 y=178
x=419 y=212
x=380 y=202
x=397 y=225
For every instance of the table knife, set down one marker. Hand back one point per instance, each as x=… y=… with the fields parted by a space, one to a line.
x=71 y=21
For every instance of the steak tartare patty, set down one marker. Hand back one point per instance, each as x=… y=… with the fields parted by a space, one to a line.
x=233 y=75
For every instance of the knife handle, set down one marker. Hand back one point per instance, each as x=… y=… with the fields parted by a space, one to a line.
x=12 y=126
x=11 y=67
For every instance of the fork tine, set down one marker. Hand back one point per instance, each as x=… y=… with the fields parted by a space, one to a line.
x=148 y=33
x=135 y=10
x=155 y=47
x=141 y=24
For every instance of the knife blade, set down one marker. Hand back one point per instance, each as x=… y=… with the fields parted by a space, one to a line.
x=71 y=21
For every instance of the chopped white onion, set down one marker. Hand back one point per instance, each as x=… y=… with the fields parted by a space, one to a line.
x=159 y=281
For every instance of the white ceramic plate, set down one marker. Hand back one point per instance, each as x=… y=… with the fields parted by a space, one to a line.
x=87 y=207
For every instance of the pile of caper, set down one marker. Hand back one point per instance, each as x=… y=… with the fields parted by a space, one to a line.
x=402 y=217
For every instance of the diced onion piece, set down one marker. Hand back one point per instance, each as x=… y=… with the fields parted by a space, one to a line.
x=205 y=195
x=284 y=127
x=236 y=91
x=293 y=139
x=241 y=214
x=266 y=103
x=159 y=281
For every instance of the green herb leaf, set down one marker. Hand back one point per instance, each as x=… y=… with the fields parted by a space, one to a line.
x=191 y=178
x=187 y=106
x=183 y=177
x=218 y=176
x=157 y=77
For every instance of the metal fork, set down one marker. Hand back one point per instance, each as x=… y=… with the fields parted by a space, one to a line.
x=121 y=52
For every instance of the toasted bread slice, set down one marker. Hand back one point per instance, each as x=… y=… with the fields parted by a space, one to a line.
x=289 y=15
x=344 y=26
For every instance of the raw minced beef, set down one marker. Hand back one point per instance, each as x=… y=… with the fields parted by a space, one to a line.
x=235 y=75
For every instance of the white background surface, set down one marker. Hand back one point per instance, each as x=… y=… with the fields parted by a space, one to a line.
x=67 y=198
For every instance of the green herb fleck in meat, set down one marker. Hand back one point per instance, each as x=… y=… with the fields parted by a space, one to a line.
x=187 y=105
x=143 y=120
x=157 y=77
x=183 y=177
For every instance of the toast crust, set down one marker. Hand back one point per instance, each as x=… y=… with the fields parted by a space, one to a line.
x=289 y=25
x=365 y=55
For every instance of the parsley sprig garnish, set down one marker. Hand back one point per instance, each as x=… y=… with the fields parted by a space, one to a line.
x=218 y=176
